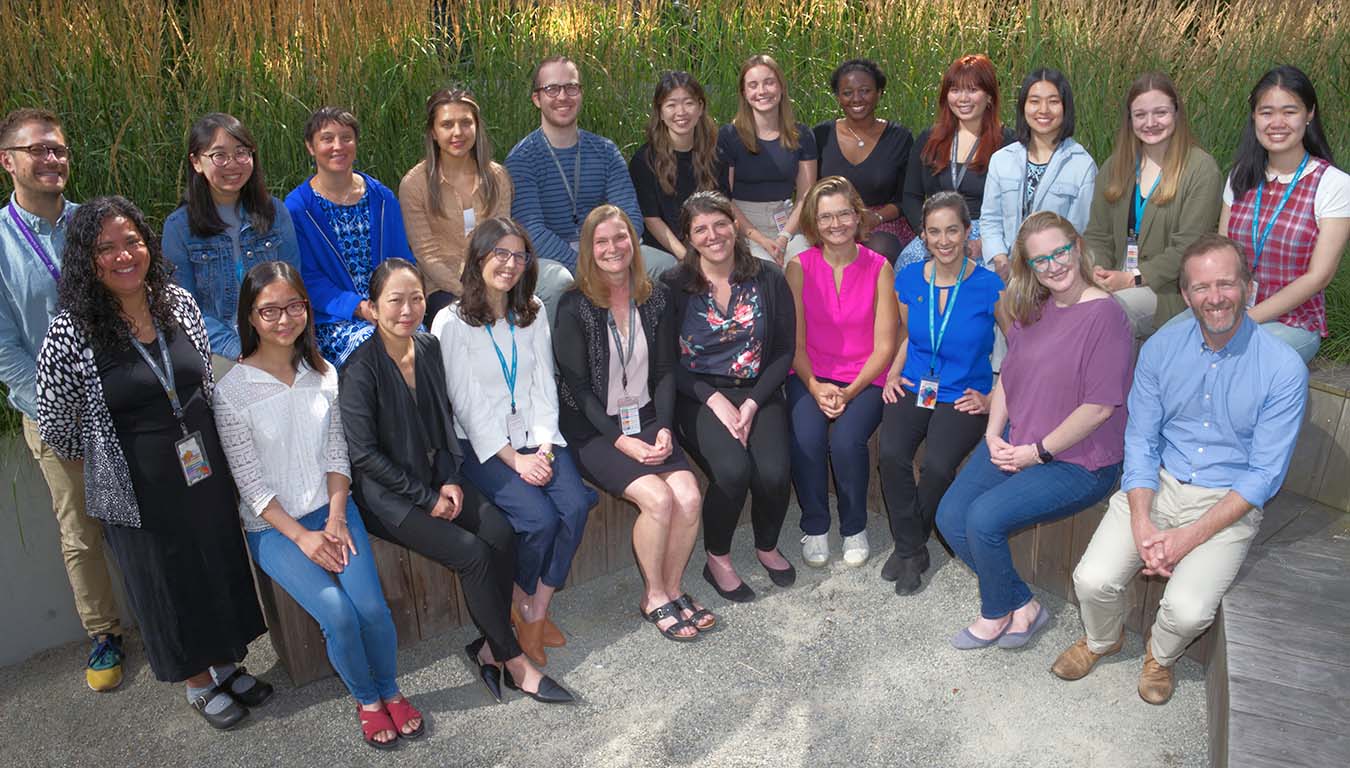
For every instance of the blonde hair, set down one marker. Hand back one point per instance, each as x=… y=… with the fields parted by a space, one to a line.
x=744 y=121
x=830 y=185
x=588 y=279
x=1023 y=298
x=1119 y=168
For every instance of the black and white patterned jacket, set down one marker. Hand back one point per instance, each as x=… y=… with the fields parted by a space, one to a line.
x=73 y=416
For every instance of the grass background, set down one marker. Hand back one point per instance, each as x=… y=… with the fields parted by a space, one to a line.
x=129 y=76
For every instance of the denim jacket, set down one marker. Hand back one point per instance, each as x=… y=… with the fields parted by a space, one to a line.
x=1066 y=188
x=206 y=267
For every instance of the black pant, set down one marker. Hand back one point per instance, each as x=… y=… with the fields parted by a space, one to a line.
x=949 y=436
x=480 y=546
x=762 y=468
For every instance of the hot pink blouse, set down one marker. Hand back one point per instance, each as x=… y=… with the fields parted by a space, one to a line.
x=839 y=324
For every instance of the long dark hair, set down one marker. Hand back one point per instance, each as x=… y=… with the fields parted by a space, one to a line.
x=305 y=348
x=744 y=264
x=1249 y=162
x=96 y=312
x=473 y=305
x=661 y=155
x=1061 y=83
x=482 y=150
x=203 y=219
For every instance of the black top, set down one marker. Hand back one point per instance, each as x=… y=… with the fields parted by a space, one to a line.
x=771 y=174
x=880 y=177
x=657 y=204
x=401 y=444
x=922 y=182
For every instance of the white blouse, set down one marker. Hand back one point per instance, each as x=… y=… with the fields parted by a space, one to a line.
x=477 y=383
x=281 y=442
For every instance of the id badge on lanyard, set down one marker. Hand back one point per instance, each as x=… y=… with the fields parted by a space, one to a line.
x=192 y=458
x=516 y=431
x=190 y=448
x=630 y=415
x=1251 y=296
x=928 y=393
x=781 y=213
x=1131 y=254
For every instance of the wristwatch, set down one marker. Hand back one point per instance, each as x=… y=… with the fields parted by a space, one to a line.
x=1045 y=456
x=1138 y=279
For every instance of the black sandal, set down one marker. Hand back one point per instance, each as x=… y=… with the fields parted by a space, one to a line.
x=670 y=611
x=686 y=603
x=259 y=692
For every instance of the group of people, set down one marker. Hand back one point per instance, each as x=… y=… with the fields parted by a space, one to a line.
x=759 y=299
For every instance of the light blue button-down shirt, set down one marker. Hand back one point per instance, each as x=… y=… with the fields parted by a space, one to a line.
x=1218 y=419
x=27 y=300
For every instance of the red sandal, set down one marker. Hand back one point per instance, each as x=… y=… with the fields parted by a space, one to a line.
x=401 y=712
x=375 y=722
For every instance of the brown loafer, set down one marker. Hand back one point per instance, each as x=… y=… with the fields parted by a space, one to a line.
x=530 y=634
x=553 y=637
x=1155 y=680
x=1078 y=660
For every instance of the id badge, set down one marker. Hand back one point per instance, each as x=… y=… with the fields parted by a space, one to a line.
x=1251 y=297
x=191 y=457
x=515 y=430
x=781 y=213
x=630 y=418
x=1131 y=255
x=928 y=393
x=470 y=221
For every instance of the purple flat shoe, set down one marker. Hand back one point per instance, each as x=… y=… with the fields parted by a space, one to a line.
x=965 y=641
x=1019 y=639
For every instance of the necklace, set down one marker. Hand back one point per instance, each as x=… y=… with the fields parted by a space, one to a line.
x=342 y=199
x=856 y=137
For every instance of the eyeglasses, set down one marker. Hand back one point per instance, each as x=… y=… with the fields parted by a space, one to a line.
x=504 y=256
x=241 y=155
x=554 y=89
x=1061 y=255
x=272 y=313
x=43 y=151
x=843 y=217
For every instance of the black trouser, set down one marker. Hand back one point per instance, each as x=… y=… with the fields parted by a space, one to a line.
x=480 y=546
x=949 y=435
x=761 y=468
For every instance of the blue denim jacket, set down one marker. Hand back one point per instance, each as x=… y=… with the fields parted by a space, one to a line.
x=206 y=267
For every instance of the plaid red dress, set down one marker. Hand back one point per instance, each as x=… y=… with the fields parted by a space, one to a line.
x=1290 y=245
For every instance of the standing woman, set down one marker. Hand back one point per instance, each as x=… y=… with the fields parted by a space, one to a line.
x=1157 y=192
x=937 y=389
x=347 y=223
x=282 y=434
x=1288 y=205
x=737 y=334
x=227 y=224
x=771 y=161
x=679 y=159
x=124 y=383
x=954 y=153
x=456 y=185
x=846 y=336
x=1056 y=432
x=407 y=480
x=498 y=359
x=615 y=349
x=1043 y=170
x=870 y=152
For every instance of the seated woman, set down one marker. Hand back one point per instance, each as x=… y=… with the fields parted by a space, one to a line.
x=226 y=225
x=508 y=420
x=347 y=223
x=937 y=389
x=679 y=159
x=282 y=434
x=737 y=332
x=1056 y=433
x=406 y=476
x=124 y=383
x=1284 y=164
x=1156 y=193
x=455 y=186
x=771 y=161
x=870 y=152
x=615 y=349
x=846 y=336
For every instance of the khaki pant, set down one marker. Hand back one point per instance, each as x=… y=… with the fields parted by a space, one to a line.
x=1198 y=582
x=81 y=536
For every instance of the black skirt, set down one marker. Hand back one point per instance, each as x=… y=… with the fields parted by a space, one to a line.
x=613 y=470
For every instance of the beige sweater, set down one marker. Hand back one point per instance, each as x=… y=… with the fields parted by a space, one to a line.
x=439 y=242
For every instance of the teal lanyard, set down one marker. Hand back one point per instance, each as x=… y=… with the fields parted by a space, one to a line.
x=508 y=373
x=1259 y=245
x=1141 y=201
x=935 y=337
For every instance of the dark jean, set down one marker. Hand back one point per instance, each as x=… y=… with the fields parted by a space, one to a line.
x=985 y=505
x=820 y=445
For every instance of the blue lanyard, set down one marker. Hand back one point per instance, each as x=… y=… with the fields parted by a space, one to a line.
x=1259 y=245
x=1141 y=201
x=508 y=374
x=33 y=243
x=935 y=337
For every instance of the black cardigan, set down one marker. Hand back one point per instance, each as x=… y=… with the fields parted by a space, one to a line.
x=922 y=182
x=581 y=352
x=780 y=335
x=389 y=434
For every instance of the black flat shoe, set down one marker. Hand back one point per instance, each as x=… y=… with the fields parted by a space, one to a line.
x=549 y=691
x=890 y=570
x=909 y=573
x=223 y=720
x=781 y=578
x=255 y=696
x=490 y=674
x=741 y=594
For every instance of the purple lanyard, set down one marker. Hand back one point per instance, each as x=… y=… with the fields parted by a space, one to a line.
x=33 y=242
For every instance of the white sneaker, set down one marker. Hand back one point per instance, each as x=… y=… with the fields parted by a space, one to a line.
x=816 y=550
x=856 y=551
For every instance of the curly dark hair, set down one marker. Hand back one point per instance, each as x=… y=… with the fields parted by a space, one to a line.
x=473 y=305
x=93 y=308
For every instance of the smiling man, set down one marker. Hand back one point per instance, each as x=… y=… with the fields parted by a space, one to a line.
x=1214 y=412
x=32 y=235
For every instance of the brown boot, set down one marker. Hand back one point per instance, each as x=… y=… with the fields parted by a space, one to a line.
x=553 y=637
x=531 y=637
x=1078 y=660
x=1155 y=681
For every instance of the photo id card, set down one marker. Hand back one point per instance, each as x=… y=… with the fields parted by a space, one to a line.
x=630 y=418
x=470 y=221
x=1251 y=297
x=1131 y=255
x=515 y=430
x=192 y=458
x=928 y=393
x=781 y=213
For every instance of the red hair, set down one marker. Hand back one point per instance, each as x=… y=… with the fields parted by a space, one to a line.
x=971 y=70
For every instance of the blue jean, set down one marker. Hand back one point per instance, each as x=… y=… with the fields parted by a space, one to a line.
x=349 y=606
x=985 y=505
x=819 y=445
x=548 y=520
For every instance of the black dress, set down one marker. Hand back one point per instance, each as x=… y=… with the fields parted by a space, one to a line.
x=185 y=569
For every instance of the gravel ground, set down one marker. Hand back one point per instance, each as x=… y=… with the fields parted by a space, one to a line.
x=836 y=670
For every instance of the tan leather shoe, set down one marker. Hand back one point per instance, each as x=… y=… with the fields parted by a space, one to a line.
x=1155 y=680
x=1078 y=660
x=530 y=634
x=553 y=637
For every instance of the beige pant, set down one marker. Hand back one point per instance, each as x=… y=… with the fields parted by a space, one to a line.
x=760 y=216
x=81 y=536
x=1198 y=582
